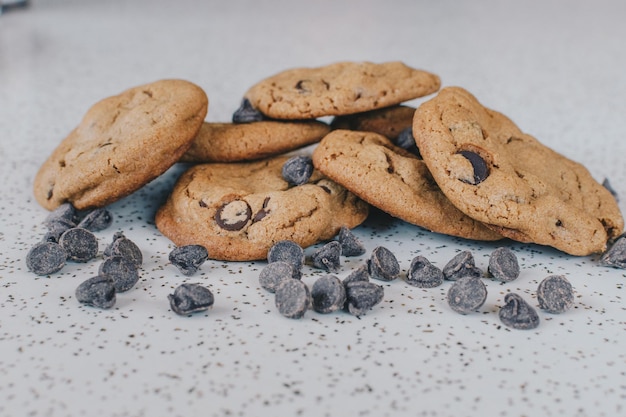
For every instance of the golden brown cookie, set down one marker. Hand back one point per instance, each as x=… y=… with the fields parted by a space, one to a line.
x=122 y=143
x=233 y=142
x=339 y=88
x=239 y=210
x=389 y=121
x=395 y=181
x=497 y=174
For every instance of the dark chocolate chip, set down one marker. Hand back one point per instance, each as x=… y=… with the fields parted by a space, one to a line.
x=292 y=298
x=616 y=255
x=122 y=246
x=274 y=273
x=350 y=244
x=96 y=220
x=46 y=258
x=97 y=292
x=555 y=294
x=328 y=294
x=328 y=257
x=424 y=274
x=287 y=251
x=362 y=296
x=234 y=215
x=263 y=212
x=65 y=214
x=503 y=265
x=607 y=184
x=383 y=264
x=462 y=265
x=517 y=313
x=406 y=141
x=188 y=258
x=80 y=244
x=246 y=113
x=481 y=170
x=121 y=271
x=190 y=298
x=467 y=294
x=361 y=273
x=297 y=170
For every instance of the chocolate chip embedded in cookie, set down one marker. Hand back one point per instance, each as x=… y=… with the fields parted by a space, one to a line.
x=498 y=175
x=236 y=142
x=395 y=181
x=389 y=121
x=339 y=88
x=122 y=143
x=239 y=210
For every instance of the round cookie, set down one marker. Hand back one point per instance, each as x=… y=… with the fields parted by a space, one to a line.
x=239 y=210
x=394 y=180
x=339 y=88
x=122 y=143
x=389 y=121
x=233 y=142
x=503 y=177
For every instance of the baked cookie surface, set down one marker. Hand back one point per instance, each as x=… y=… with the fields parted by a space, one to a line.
x=233 y=142
x=122 y=143
x=499 y=175
x=237 y=211
x=339 y=88
x=393 y=180
x=389 y=121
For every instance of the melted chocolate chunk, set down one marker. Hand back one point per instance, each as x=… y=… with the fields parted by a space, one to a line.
x=233 y=216
x=481 y=170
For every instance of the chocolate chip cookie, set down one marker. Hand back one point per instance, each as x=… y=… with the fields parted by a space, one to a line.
x=339 y=88
x=233 y=142
x=389 y=121
x=122 y=143
x=500 y=176
x=393 y=180
x=239 y=210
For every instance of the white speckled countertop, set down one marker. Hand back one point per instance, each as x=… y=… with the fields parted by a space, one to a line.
x=555 y=67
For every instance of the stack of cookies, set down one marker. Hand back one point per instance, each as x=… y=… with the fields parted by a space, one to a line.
x=450 y=166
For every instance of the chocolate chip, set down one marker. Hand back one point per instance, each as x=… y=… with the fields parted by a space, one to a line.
x=246 y=113
x=65 y=214
x=350 y=244
x=263 y=212
x=467 y=294
x=297 y=170
x=96 y=220
x=361 y=273
x=462 y=265
x=97 y=292
x=46 y=258
x=616 y=255
x=424 y=274
x=607 y=184
x=188 y=258
x=292 y=298
x=383 y=264
x=301 y=86
x=517 y=313
x=481 y=170
x=362 y=296
x=287 y=251
x=555 y=294
x=274 y=273
x=122 y=271
x=406 y=140
x=328 y=294
x=328 y=257
x=190 y=298
x=80 y=244
x=503 y=265
x=122 y=246
x=234 y=215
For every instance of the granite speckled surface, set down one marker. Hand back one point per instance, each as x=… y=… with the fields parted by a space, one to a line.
x=554 y=67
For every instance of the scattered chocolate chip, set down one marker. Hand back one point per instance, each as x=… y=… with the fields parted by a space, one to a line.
x=97 y=292
x=80 y=244
x=328 y=257
x=287 y=251
x=188 y=258
x=122 y=271
x=406 y=141
x=190 y=298
x=555 y=294
x=328 y=294
x=361 y=273
x=462 y=265
x=467 y=294
x=292 y=298
x=517 y=313
x=616 y=255
x=362 y=296
x=424 y=274
x=234 y=215
x=122 y=246
x=503 y=265
x=64 y=214
x=481 y=170
x=274 y=273
x=46 y=258
x=350 y=244
x=606 y=183
x=96 y=220
x=383 y=264
x=246 y=113
x=297 y=170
